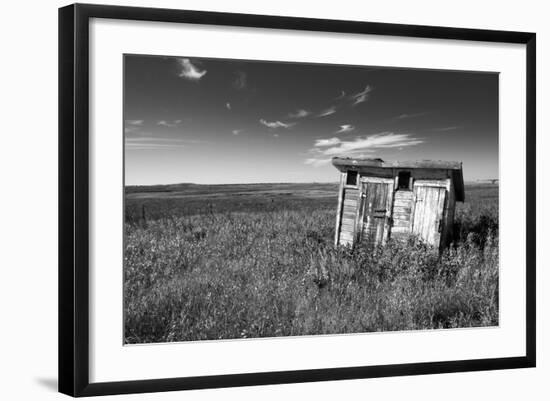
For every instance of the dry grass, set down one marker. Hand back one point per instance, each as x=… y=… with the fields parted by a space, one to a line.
x=264 y=274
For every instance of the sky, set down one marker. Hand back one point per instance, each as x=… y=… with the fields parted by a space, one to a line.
x=219 y=121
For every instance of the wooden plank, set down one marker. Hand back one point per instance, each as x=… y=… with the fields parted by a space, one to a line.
x=419 y=210
x=347 y=232
x=429 y=224
x=431 y=183
x=440 y=221
x=350 y=227
x=428 y=212
x=389 y=202
x=348 y=220
x=429 y=215
x=349 y=215
x=339 y=209
x=375 y=227
x=344 y=162
x=401 y=223
x=401 y=216
x=449 y=214
x=403 y=194
x=379 y=180
x=346 y=236
x=397 y=213
x=404 y=199
x=350 y=203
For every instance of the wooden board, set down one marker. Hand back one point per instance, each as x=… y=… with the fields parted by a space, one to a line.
x=348 y=226
x=339 y=209
x=351 y=203
x=401 y=223
x=348 y=217
x=376 y=211
x=402 y=214
x=428 y=213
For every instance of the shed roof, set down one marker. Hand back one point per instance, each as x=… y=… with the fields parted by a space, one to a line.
x=363 y=164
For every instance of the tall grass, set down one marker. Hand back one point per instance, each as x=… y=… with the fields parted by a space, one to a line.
x=240 y=275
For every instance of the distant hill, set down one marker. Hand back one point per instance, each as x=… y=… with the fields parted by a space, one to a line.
x=190 y=190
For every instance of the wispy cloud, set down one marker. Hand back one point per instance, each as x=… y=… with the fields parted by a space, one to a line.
x=134 y=122
x=131 y=126
x=362 y=96
x=240 y=81
x=189 y=71
x=324 y=149
x=341 y=95
x=301 y=113
x=443 y=129
x=276 y=124
x=316 y=162
x=411 y=115
x=228 y=106
x=236 y=131
x=345 y=128
x=327 y=142
x=327 y=112
x=170 y=124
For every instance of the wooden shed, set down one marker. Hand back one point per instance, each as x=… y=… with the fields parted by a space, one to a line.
x=378 y=200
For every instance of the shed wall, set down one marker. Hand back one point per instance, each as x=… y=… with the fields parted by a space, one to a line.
x=402 y=208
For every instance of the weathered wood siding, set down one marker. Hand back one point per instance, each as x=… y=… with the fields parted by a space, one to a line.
x=348 y=225
x=376 y=210
x=449 y=215
x=428 y=220
x=402 y=214
x=339 y=209
x=429 y=174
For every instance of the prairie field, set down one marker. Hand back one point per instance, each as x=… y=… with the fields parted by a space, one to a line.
x=207 y=262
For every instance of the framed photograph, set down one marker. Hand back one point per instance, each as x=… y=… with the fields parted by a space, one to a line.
x=250 y=199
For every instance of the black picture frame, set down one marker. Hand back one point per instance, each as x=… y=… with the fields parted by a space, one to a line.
x=74 y=191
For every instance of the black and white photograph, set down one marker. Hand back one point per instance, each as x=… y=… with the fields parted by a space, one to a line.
x=269 y=199
x=275 y=200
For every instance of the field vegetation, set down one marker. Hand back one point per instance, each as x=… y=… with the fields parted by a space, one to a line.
x=222 y=262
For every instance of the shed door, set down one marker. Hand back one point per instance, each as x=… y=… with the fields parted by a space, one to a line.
x=376 y=206
x=428 y=213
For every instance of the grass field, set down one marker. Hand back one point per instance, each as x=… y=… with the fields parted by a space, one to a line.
x=205 y=262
